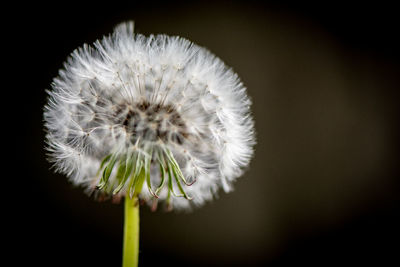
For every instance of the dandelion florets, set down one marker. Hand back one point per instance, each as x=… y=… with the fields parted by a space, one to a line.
x=158 y=112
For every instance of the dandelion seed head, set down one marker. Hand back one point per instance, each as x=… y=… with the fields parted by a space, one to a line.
x=157 y=112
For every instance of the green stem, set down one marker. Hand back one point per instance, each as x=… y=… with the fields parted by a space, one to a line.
x=131 y=233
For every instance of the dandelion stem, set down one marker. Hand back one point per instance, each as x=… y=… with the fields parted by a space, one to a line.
x=131 y=233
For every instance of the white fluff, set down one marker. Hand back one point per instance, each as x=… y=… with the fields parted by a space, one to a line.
x=93 y=111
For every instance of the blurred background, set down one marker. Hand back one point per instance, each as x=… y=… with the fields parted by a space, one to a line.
x=322 y=188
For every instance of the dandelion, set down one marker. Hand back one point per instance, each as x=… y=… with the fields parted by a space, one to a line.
x=156 y=119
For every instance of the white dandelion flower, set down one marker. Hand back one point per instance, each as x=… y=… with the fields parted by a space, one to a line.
x=156 y=112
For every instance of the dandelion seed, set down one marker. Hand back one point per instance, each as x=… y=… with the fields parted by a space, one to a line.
x=159 y=105
x=153 y=119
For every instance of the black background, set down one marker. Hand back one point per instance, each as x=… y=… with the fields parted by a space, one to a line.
x=51 y=223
